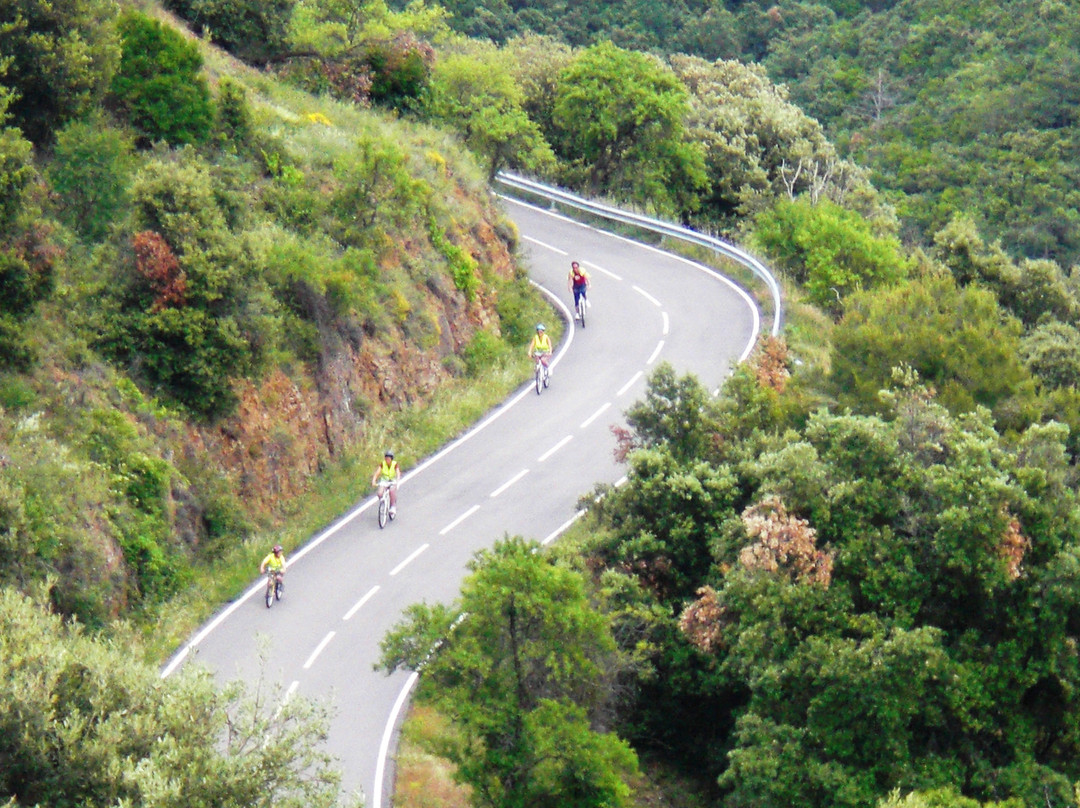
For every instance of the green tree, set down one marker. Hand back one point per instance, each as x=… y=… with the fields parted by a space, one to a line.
x=159 y=82
x=519 y=665
x=619 y=123
x=759 y=146
x=84 y=723
x=185 y=305
x=90 y=171
x=956 y=339
x=830 y=251
x=474 y=93
x=60 y=57
x=254 y=31
x=1051 y=352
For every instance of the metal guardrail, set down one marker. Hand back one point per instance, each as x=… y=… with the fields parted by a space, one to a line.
x=655 y=225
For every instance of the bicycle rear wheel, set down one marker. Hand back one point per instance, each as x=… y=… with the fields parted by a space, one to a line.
x=581 y=309
x=279 y=589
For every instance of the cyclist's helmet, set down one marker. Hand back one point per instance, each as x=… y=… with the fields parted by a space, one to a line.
x=277 y=548
x=539 y=326
x=388 y=453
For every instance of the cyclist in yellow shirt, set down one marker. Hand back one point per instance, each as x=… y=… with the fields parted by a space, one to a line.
x=274 y=562
x=540 y=347
x=388 y=473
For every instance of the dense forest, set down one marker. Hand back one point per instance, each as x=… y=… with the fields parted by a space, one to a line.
x=235 y=235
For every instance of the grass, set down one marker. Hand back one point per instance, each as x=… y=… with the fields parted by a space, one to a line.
x=415 y=433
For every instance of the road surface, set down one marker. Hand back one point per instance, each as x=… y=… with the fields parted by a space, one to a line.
x=521 y=470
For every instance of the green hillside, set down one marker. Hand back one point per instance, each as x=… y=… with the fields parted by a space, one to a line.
x=245 y=247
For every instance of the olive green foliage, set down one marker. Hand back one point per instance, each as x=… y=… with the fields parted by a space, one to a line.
x=983 y=125
x=955 y=338
x=829 y=251
x=26 y=251
x=375 y=191
x=159 y=83
x=253 y=31
x=858 y=601
x=618 y=120
x=517 y=664
x=188 y=307
x=90 y=170
x=1051 y=352
x=234 y=127
x=85 y=724
x=1030 y=290
x=941 y=798
x=60 y=58
x=474 y=93
x=760 y=147
x=956 y=107
x=16 y=171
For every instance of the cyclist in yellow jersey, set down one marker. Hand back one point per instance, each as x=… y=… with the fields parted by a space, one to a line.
x=541 y=346
x=274 y=562
x=388 y=473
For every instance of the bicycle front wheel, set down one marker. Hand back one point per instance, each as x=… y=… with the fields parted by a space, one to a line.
x=384 y=509
x=539 y=378
x=269 y=596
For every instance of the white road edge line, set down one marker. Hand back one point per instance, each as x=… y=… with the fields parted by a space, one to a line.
x=319 y=649
x=555 y=448
x=629 y=384
x=508 y=483
x=539 y=243
x=562 y=528
x=595 y=415
x=714 y=273
x=459 y=520
x=408 y=560
x=257 y=587
x=361 y=602
x=388 y=735
x=647 y=296
x=656 y=353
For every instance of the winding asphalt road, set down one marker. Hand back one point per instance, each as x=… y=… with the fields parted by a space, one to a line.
x=519 y=471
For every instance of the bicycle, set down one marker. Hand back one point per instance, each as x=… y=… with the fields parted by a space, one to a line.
x=385 y=514
x=541 y=375
x=580 y=306
x=275 y=587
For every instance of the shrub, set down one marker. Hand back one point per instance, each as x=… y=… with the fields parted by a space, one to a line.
x=253 y=30
x=63 y=53
x=831 y=251
x=15 y=172
x=234 y=124
x=483 y=351
x=89 y=172
x=159 y=83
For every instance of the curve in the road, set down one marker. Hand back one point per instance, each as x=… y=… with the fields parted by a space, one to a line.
x=492 y=491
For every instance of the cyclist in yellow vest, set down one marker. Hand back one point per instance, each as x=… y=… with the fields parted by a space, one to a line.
x=541 y=346
x=274 y=562
x=387 y=474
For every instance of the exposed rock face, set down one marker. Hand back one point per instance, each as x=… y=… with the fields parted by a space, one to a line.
x=286 y=427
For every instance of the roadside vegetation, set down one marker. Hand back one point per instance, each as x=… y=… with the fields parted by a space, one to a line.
x=245 y=246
